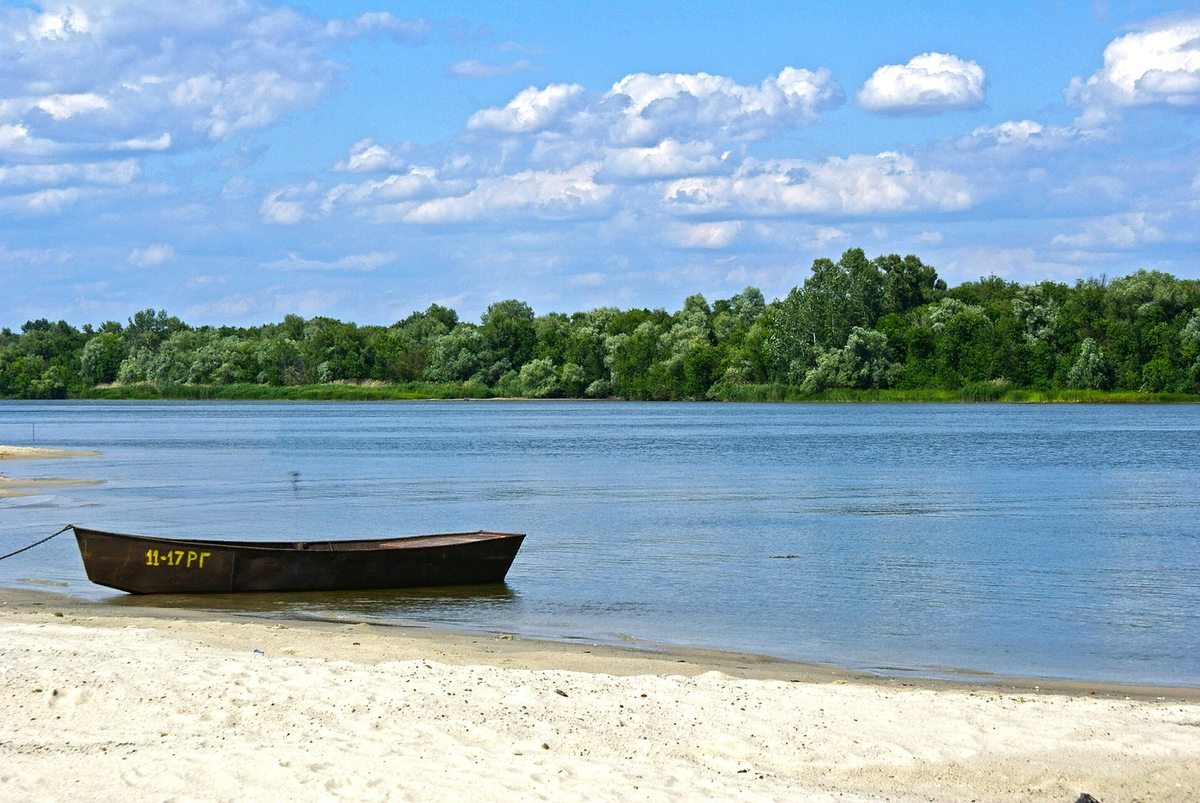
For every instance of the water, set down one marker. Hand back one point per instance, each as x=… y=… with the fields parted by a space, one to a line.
x=1044 y=541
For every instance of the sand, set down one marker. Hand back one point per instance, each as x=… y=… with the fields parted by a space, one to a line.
x=30 y=486
x=37 y=453
x=115 y=703
x=33 y=486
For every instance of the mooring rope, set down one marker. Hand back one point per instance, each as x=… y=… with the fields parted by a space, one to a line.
x=35 y=543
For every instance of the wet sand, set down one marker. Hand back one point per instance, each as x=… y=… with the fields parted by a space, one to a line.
x=131 y=702
x=33 y=486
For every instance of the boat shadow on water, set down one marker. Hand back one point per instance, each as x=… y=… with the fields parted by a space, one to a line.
x=444 y=604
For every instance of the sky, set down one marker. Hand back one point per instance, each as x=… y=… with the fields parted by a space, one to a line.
x=234 y=161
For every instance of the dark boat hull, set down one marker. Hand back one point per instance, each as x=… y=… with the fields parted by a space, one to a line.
x=143 y=565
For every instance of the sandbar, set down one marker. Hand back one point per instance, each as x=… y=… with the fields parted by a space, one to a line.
x=126 y=702
x=33 y=486
x=30 y=486
x=38 y=453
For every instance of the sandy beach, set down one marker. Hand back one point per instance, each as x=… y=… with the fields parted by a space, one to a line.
x=114 y=702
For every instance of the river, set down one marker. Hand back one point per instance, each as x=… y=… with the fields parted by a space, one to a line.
x=1056 y=541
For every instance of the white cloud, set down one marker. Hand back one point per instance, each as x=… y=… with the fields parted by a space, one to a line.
x=857 y=185
x=54 y=200
x=287 y=206
x=59 y=24
x=545 y=194
x=105 y=173
x=714 y=235
x=488 y=69
x=60 y=107
x=381 y=23
x=667 y=159
x=1122 y=231
x=365 y=156
x=1157 y=65
x=16 y=140
x=151 y=255
x=531 y=110
x=160 y=143
x=129 y=72
x=643 y=110
x=351 y=262
x=1021 y=134
x=418 y=183
x=221 y=107
x=929 y=84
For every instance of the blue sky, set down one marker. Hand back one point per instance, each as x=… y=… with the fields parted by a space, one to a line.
x=233 y=161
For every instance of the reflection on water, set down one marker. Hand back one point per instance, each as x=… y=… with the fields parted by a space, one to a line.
x=455 y=606
x=1053 y=541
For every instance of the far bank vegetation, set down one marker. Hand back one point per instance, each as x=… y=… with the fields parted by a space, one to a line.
x=858 y=329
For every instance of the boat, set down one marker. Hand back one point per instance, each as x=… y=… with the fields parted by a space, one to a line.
x=147 y=565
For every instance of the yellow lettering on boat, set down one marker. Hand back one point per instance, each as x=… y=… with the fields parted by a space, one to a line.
x=191 y=557
x=203 y=555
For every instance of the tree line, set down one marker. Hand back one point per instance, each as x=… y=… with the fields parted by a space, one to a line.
x=858 y=323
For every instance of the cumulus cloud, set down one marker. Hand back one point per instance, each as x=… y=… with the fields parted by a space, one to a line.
x=1020 y=134
x=667 y=159
x=643 y=110
x=1011 y=131
x=286 y=207
x=350 y=262
x=417 y=183
x=929 y=84
x=60 y=107
x=151 y=255
x=488 y=69
x=857 y=185
x=531 y=110
x=106 y=74
x=1157 y=65
x=1121 y=231
x=543 y=194
x=365 y=156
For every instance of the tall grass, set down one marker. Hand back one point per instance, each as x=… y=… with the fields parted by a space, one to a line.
x=992 y=391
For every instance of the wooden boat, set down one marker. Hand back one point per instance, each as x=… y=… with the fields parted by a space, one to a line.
x=143 y=565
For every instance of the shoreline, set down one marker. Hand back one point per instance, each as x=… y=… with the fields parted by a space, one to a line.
x=751 y=394
x=147 y=703
x=580 y=655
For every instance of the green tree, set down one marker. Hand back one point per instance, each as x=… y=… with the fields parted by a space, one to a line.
x=102 y=357
x=509 y=339
x=1090 y=370
x=864 y=362
x=908 y=283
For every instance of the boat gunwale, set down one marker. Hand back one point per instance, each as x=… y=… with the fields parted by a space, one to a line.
x=321 y=545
